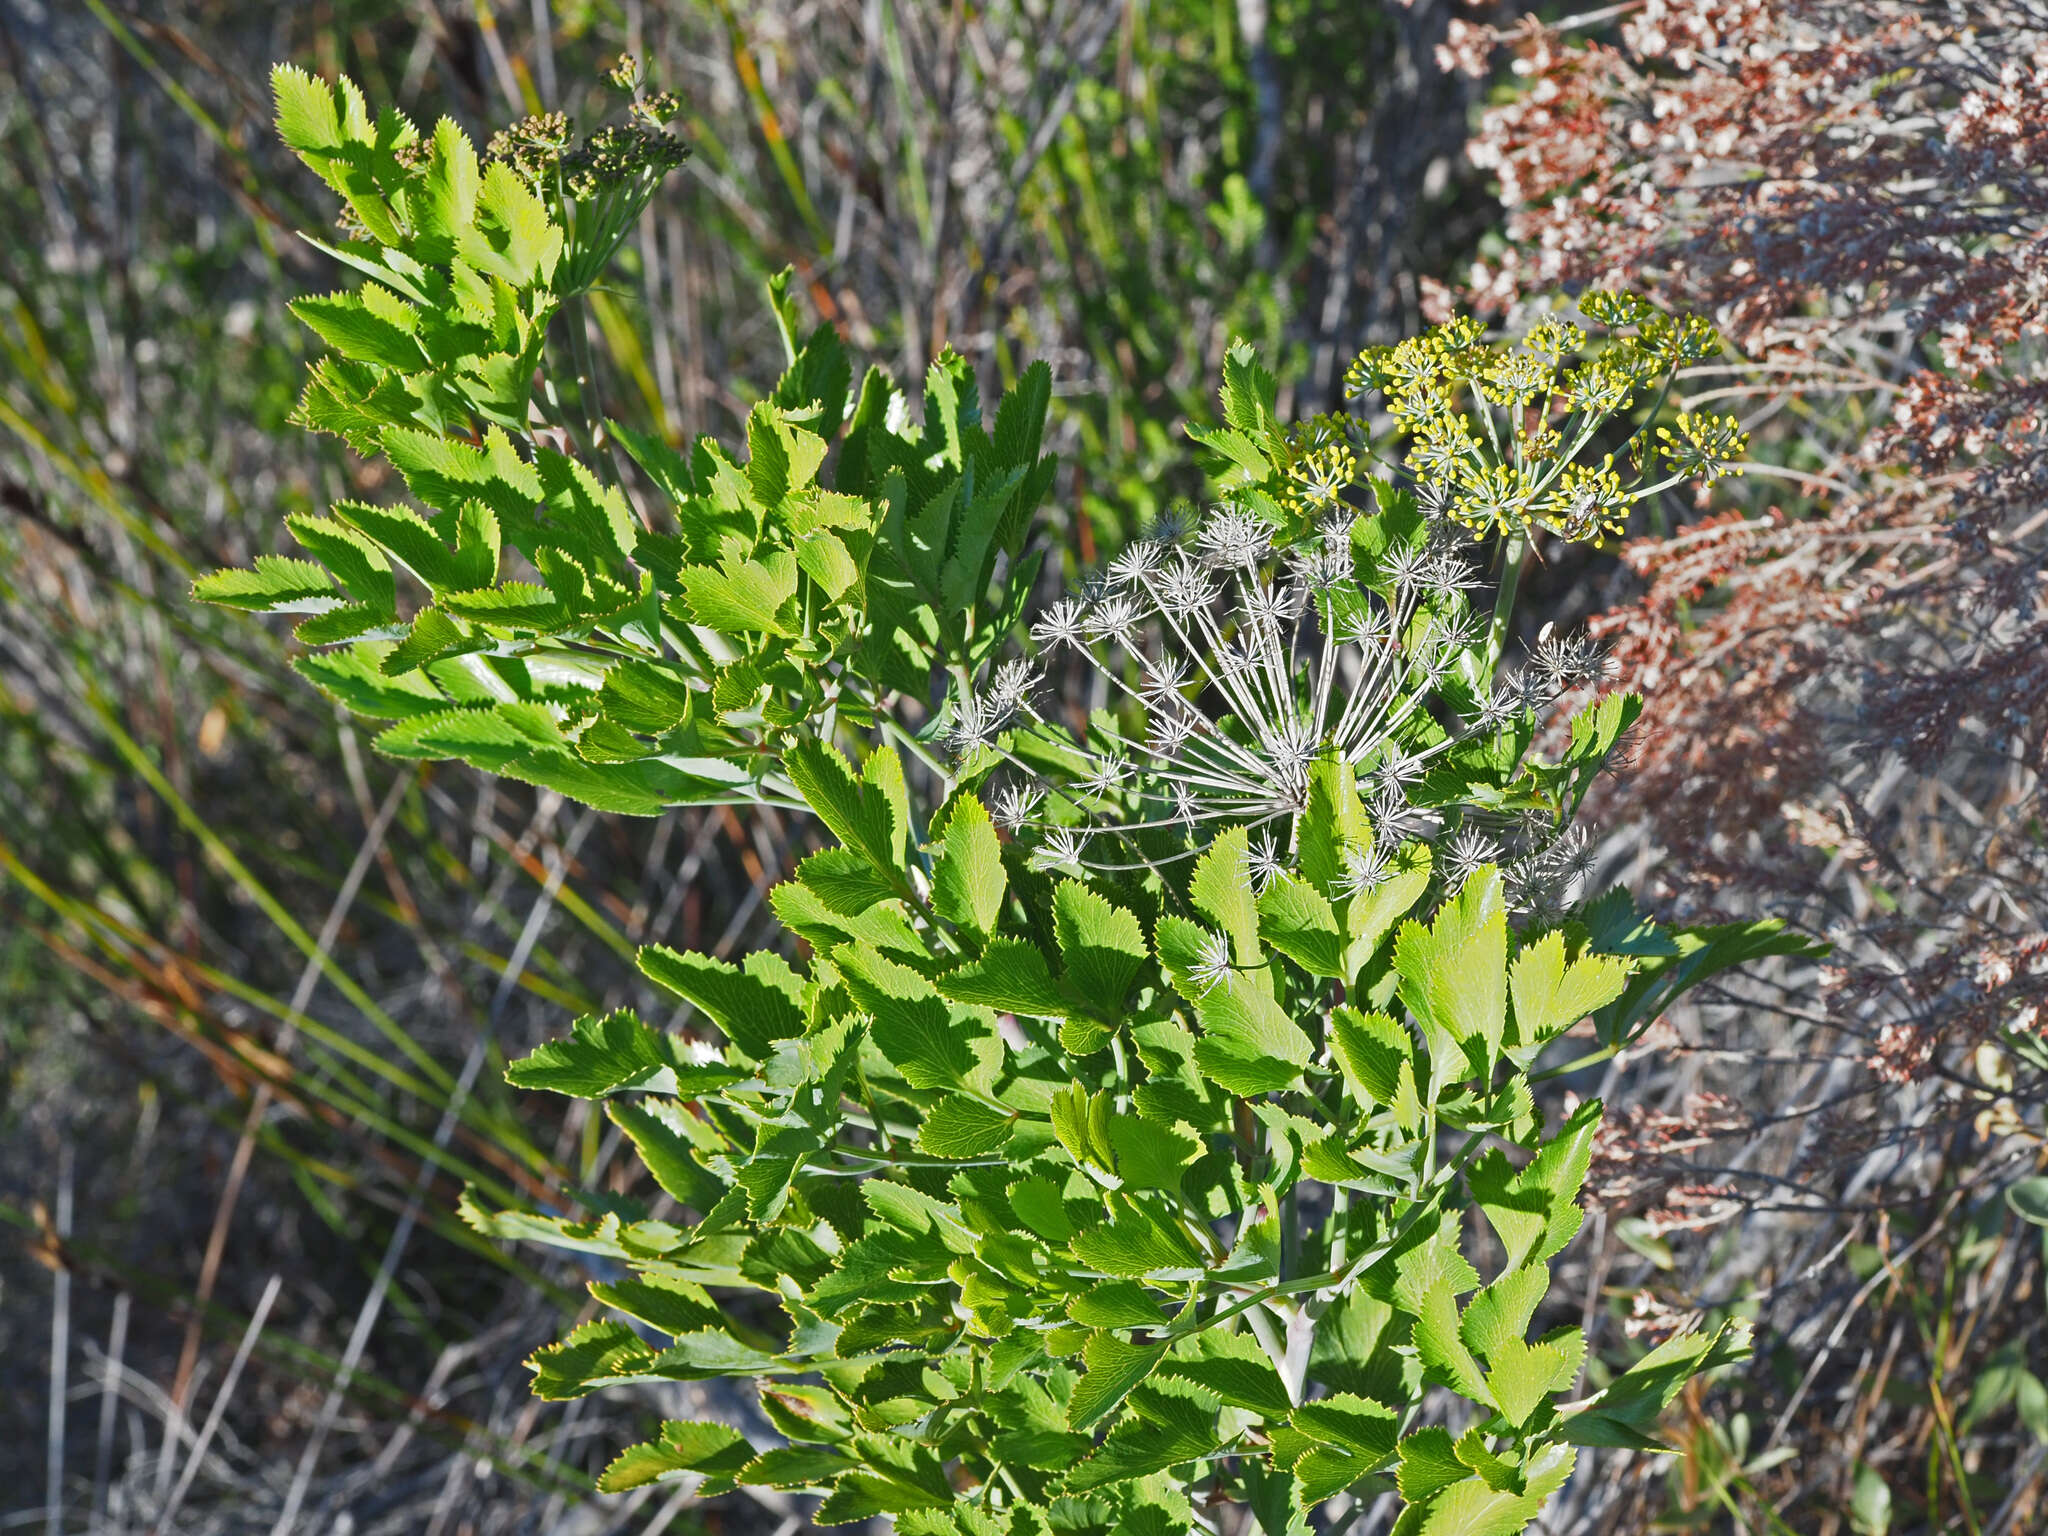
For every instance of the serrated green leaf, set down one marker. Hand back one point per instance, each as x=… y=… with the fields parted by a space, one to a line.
x=1370 y=916
x=432 y=636
x=709 y=1354
x=1010 y=975
x=1334 y=819
x=360 y=333
x=869 y=813
x=1594 y=730
x=409 y=538
x=1352 y=1437
x=307 y=116
x=745 y=596
x=1117 y=1304
x=755 y=1003
x=968 y=883
x=1551 y=996
x=1172 y=1431
x=1535 y=1211
x=487 y=738
x=1039 y=1205
x=1499 y=1315
x=1249 y=391
x=883 y=925
x=1295 y=919
x=1232 y=1369
x=1453 y=975
x=672 y=1306
x=864 y=1496
x=1521 y=1375
x=353 y=560
x=612 y=1054
x=1383 y=1173
x=445 y=473
x=962 y=1128
x=1471 y=1508
x=1428 y=1463
x=1115 y=1367
x=1371 y=1049
x=1138 y=1239
x=921 y=1215
x=643 y=788
x=1080 y=1123
x=644 y=697
x=1352 y=1423
x=595 y=1355
x=585 y=517
x=512 y=237
x=654 y=1129
x=1694 y=955
x=1442 y=1350
x=277 y=584
x=933 y=1043
x=1248 y=1044
x=1221 y=886
x=1148 y=1154
x=715 y=1450
x=356 y=679
x=516 y=605
x=1101 y=947
x=845 y=881
x=330 y=128
x=805 y=1414
x=797 y=1466
x=477 y=547
x=351 y=621
x=1627 y=1411
x=444 y=204
x=1238 y=460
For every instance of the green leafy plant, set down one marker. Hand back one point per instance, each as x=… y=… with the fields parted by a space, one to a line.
x=530 y=620
x=1151 y=1118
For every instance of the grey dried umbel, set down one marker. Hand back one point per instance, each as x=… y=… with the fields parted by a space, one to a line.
x=1244 y=666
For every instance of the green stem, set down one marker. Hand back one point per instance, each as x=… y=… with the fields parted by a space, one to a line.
x=1511 y=561
x=909 y=743
x=1576 y=1064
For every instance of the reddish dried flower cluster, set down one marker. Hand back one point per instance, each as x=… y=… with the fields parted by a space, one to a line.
x=1651 y=1320
x=1847 y=677
x=1641 y=1163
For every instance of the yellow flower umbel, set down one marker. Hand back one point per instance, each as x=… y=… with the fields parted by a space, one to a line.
x=1703 y=447
x=1316 y=481
x=1495 y=430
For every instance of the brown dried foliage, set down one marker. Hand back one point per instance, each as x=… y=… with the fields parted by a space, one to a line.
x=1848 y=684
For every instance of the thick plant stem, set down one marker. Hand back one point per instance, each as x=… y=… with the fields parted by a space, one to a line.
x=1511 y=562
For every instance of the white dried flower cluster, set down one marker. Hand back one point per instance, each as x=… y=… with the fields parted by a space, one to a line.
x=1545 y=868
x=1555 y=873
x=1560 y=664
x=1245 y=667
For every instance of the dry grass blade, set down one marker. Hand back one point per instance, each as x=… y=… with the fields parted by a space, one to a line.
x=259 y=1104
x=221 y=1398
